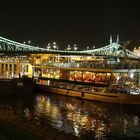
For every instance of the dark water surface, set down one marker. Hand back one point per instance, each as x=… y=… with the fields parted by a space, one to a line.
x=85 y=119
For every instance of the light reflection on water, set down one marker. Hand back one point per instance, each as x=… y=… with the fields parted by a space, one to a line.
x=86 y=119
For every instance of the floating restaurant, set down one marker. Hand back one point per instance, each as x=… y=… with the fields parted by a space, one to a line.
x=108 y=74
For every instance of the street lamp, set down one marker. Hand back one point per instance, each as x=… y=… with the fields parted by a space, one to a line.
x=75 y=47
x=54 y=45
x=29 y=42
x=68 y=48
x=48 y=46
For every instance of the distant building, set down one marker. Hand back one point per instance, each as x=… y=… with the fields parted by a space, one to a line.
x=136 y=51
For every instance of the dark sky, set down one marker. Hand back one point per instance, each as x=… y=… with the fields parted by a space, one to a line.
x=69 y=22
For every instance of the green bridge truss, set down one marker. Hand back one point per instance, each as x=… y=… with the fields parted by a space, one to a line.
x=113 y=49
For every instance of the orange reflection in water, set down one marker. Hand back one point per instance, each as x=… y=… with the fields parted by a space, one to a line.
x=90 y=119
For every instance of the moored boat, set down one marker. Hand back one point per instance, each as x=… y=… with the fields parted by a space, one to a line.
x=109 y=74
x=23 y=85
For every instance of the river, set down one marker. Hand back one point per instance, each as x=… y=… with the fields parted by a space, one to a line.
x=86 y=119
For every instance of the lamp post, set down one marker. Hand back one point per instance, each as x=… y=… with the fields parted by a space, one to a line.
x=54 y=45
x=29 y=42
x=75 y=47
x=48 y=46
x=68 y=48
x=87 y=47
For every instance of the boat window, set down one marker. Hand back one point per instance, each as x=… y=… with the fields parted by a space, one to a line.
x=45 y=82
x=87 y=88
x=96 y=89
x=37 y=71
x=57 y=74
x=75 y=76
x=122 y=78
x=108 y=77
x=78 y=87
x=70 y=86
x=100 y=78
x=88 y=77
x=78 y=76
x=114 y=78
x=55 y=83
x=63 y=74
x=133 y=77
x=63 y=85
x=49 y=73
x=72 y=75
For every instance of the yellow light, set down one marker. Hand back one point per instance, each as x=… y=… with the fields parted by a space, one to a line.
x=30 y=70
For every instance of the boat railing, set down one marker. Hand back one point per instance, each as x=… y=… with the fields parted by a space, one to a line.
x=123 y=89
x=95 y=65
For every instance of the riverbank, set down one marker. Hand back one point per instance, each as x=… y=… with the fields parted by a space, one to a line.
x=28 y=129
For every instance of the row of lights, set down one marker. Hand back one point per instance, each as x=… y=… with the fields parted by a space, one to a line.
x=55 y=47
x=28 y=42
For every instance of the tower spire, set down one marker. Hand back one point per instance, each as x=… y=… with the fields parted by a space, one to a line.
x=117 y=38
x=110 y=39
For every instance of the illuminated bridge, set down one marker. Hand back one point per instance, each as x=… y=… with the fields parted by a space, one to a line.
x=113 y=49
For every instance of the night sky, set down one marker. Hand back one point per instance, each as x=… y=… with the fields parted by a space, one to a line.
x=70 y=22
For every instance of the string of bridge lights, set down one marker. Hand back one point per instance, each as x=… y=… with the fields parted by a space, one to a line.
x=69 y=47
